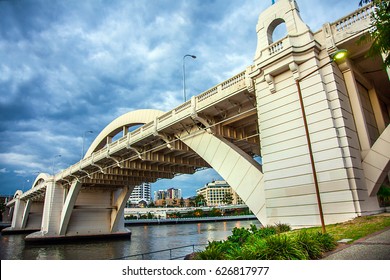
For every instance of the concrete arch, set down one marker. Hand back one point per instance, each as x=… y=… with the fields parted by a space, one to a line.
x=271 y=29
x=17 y=194
x=241 y=171
x=42 y=177
x=126 y=120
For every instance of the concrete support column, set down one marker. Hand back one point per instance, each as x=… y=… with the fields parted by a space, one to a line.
x=117 y=214
x=17 y=216
x=68 y=206
x=125 y=130
x=378 y=113
x=26 y=212
x=242 y=173
x=52 y=209
x=357 y=108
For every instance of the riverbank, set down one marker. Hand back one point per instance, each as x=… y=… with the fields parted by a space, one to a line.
x=364 y=237
x=134 y=222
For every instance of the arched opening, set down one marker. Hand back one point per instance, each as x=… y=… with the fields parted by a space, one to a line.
x=276 y=30
x=119 y=132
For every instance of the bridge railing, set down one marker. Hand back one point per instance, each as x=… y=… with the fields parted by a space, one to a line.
x=353 y=24
x=220 y=91
x=31 y=191
x=167 y=254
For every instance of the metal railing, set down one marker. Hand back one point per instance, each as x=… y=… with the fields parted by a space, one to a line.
x=148 y=255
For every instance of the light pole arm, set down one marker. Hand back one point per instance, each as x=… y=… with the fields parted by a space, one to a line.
x=184 y=75
x=315 y=70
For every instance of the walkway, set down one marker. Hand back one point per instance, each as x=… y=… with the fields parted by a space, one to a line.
x=373 y=247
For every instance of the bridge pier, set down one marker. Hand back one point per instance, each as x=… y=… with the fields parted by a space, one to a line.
x=26 y=216
x=73 y=213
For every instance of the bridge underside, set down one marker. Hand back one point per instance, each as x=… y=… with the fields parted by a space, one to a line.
x=89 y=201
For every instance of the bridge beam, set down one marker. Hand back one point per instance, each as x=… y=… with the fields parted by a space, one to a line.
x=68 y=206
x=164 y=158
x=150 y=166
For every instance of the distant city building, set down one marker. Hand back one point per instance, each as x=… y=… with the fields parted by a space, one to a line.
x=141 y=195
x=219 y=193
x=170 y=193
x=175 y=202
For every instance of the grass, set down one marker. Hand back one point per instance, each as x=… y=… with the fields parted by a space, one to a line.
x=358 y=227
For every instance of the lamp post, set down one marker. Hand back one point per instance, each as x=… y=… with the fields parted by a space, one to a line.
x=84 y=134
x=184 y=75
x=57 y=156
x=337 y=56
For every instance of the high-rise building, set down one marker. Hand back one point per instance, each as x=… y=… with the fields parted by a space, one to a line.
x=170 y=193
x=141 y=194
x=219 y=193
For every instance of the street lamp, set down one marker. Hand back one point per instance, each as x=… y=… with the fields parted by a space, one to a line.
x=84 y=134
x=184 y=75
x=335 y=57
x=57 y=156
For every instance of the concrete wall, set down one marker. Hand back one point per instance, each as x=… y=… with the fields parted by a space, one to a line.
x=288 y=177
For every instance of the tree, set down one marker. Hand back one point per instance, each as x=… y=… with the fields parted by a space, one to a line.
x=200 y=200
x=227 y=198
x=151 y=204
x=379 y=35
x=191 y=202
x=182 y=203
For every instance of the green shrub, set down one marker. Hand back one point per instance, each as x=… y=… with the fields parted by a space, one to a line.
x=213 y=251
x=326 y=241
x=265 y=231
x=251 y=250
x=310 y=244
x=239 y=235
x=281 y=247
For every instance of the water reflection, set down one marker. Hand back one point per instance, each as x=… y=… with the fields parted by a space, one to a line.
x=144 y=239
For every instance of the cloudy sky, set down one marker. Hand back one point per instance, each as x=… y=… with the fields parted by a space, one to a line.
x=67 y=67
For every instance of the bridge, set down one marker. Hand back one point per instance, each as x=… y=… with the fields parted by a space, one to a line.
x=323 y=159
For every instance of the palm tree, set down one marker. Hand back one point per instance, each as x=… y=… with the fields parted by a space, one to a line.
x=227 y=198
x=199 y=199
x=182 y=203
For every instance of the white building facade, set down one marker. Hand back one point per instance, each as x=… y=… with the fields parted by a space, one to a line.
x=215 y=194
x=141 y=193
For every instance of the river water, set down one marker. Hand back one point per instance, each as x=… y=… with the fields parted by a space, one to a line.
x=144 y=239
